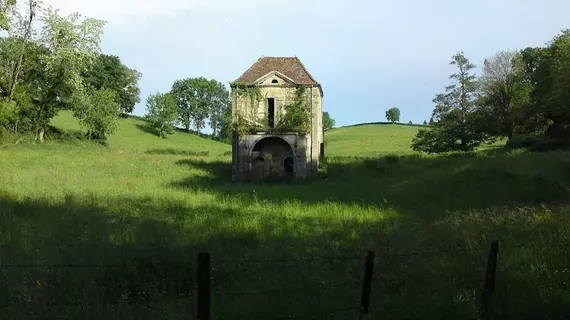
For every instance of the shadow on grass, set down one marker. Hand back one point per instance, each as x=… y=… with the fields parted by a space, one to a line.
x=419 y=187
x=147 y=129
x=307 y=268
x=178 y=152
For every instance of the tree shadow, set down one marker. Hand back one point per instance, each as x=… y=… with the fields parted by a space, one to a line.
x=178 y=152
x=147 y=129
x=417 y=186
x=134 y=258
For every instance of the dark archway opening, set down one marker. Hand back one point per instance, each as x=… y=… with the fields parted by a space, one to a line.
x=289 y=165
x=277 y=161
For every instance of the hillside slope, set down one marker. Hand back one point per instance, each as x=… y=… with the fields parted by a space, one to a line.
x=370 y=140
x=133 y=136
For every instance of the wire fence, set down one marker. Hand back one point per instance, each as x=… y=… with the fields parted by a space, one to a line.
x=495 y=281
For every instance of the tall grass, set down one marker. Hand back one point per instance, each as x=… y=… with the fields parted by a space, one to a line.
x=144 y=201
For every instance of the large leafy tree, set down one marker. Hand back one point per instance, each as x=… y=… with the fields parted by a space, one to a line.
x=196 y=98
x=220 y=108
x=73 y=43
x=456 y=125
x=552 y=90
x=6 y=10
x=98 y=112
x=108 y=72
x=393 y=115
x=162 y=113
x=328 y=121
x=505 y=93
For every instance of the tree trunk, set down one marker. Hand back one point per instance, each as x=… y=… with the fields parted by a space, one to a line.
x=27 y=33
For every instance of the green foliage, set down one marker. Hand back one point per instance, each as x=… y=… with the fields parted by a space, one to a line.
x=458 y=125
x=98 y=112
x=197 y=99
x=328 y=121
x=8 y=114
x=6 y=8
x=220 y=110
x=393 y=115
x=73 y=44
x=246 y=120
x=296 y=116
x=162 y=113
x=425 y=123
x=108 y=72
x=506 y=96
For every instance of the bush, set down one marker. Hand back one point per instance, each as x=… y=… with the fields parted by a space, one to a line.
x=549 y=145
x=537 y=143
x=518 y=142
x=392 y=159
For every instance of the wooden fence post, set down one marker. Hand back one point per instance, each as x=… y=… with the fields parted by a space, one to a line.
x=203 y=286
x=367 y=285
x=489 y=288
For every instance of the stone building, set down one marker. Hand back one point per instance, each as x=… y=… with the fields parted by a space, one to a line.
x=268 y=142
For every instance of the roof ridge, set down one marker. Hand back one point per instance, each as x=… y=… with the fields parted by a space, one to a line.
x=290 y=66
x=250 y=67
x=307 y=71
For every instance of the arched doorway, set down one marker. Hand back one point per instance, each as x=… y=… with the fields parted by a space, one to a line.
x=278 y=159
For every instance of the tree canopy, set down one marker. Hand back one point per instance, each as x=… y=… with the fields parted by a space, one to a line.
x=328 y=121
x=199 y=99
x=523 y=92
x=108 y=72
x=50 y=62
x=393 y=115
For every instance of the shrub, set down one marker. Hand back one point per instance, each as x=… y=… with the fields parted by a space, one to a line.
x=392 y=159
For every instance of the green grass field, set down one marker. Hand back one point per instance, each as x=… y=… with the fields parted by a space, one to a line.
x=290 y=251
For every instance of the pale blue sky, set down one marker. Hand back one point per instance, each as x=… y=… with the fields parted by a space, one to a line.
x=368 y=55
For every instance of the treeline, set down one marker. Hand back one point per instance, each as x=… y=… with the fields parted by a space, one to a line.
x=194 y=102
x=191 y=104
x=521 y=95
x=50 y=62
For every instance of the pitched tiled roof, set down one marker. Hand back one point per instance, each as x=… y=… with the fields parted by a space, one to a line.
x=288 y=66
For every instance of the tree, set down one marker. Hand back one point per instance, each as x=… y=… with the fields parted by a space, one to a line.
x=393 y=115
x=108 y=72
x=196 y=98
x=410 y=122
x=505 y=94
x=162 y=113
x=72 y=44
x=26 y=34
x=328 y=121
x=456 y=120
x=6 y=10
x=220 y=107
x=98 y=112
x=425 y=123
x=552 y=90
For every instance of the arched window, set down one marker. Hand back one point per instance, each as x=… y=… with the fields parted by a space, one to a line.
x=274 y=81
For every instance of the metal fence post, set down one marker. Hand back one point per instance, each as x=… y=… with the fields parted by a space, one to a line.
x=489 y=287
x=204 y=293
x=367 y=285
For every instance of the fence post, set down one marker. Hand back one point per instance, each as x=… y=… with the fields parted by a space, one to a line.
x=203 y=286
x=489 y=288
x=367 y=285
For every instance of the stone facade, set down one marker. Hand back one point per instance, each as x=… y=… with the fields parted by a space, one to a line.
x=274 y=155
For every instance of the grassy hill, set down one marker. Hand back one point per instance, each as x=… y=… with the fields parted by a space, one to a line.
x=147 y=205
x=370 y=140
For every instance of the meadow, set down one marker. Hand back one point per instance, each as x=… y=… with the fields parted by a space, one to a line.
x=135 y=213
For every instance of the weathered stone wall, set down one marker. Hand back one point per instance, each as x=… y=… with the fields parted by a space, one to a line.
x=306 y=148
x=282 y=96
